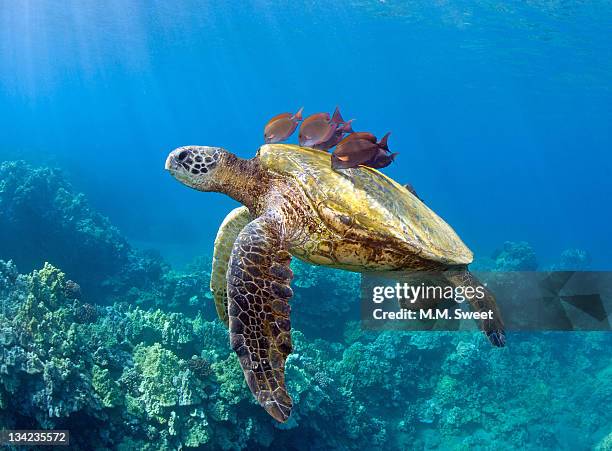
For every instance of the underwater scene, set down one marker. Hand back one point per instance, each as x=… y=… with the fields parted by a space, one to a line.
x=193 y=194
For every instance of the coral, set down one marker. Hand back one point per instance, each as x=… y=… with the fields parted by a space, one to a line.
x=573 y=260
x=149 y=368
x=321 y=296
x=158 y=368
x=200 y=367
x=45 y=220
x=164 y=380
x=513 y=256
x=605 y=444
x=72 y=290
x=187 y=292
x=86 y=313
x=106 y=388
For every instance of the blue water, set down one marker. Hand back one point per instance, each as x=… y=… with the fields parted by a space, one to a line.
x=501 y=111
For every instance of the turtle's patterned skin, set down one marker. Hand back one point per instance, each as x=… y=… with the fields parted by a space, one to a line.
x=260 y=329
x=296 y=205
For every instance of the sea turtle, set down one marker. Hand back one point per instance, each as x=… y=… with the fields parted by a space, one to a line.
x=295 y=204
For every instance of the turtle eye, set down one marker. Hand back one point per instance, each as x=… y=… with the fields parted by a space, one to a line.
x=183 y=155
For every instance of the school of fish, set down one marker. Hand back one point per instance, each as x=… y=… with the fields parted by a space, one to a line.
x=322 y=131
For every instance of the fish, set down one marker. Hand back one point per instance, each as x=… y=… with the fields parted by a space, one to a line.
x=316 y=129
x=363 y=148
x=351 y=152
x=381 y=160
x=383 y=157
x=337 y=119
x=361 y=135
x=338 y=136
x=320 y=131
x=281 y=127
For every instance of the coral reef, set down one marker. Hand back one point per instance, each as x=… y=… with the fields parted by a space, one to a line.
x=131 y=378
x=44 y=220
x=322 y=297
x=148 y=376
x=186 y=291
x=515 y=256
x=573 y=260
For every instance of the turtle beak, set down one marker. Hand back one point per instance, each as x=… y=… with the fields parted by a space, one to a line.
x=169 y=162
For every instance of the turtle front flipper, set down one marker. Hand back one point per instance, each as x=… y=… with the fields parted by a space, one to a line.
x=258 y=290
x=231 y=226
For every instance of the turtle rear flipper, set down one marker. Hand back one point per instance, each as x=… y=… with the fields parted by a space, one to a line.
x=231 y=226
x=258 y=293
x=493 y=328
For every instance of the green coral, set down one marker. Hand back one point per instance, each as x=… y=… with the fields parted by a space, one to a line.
x=167 y=380
x=605 y=444
x=106 y=388
x=158 y=368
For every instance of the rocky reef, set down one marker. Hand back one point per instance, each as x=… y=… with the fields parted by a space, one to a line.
x=135 y=359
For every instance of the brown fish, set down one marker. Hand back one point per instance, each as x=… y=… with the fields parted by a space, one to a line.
x=351 y=152
x=337 y=119
x=338 y=135
x=281 y=127
x=361 y=148
x=342 y=125
x=361 y=135
x=316 y=129
x=383 y=157
x=381 y=160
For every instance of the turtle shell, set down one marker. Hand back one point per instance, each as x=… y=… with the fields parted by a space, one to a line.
x=376 y=205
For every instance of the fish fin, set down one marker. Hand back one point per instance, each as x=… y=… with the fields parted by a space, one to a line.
x=278 y=116
x=337 y=163
x=348 y=127
x=383 y=142
x=337 y=117
x=393 y=156
x=298 y=116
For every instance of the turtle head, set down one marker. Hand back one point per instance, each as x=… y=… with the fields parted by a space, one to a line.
x=215 y=169
x=198 y=166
